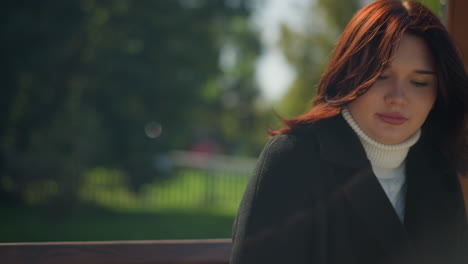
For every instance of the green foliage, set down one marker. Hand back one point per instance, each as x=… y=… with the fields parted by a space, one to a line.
x=434 y=5
x=338 y=13
x=307 y=51
x=185 y=190
x=82 y=80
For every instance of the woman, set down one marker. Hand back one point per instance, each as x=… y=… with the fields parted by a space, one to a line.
x=369 y=174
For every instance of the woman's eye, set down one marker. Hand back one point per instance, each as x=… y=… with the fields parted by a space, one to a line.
x=419 y=84
x=382 y=77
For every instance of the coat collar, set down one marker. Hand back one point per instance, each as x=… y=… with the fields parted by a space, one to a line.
x=339 y=143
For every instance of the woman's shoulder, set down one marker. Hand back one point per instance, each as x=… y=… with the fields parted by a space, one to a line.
x=330 y=139
x=293 y=149
x=284 y=142
x=305 y=138
x=287 y=143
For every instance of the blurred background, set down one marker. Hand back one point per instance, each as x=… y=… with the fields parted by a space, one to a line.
x=136 y=120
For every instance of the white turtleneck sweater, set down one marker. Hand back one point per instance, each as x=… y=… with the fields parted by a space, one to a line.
x=388 y=163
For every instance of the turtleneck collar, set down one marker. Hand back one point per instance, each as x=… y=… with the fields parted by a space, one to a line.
x=381 y=155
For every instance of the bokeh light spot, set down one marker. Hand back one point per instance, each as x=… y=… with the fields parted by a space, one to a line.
x=153 y=129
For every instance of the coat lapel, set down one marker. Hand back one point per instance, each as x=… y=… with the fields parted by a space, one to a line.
x=372 y=206
x=433 y=204
x=424 y=193
x=340 y=145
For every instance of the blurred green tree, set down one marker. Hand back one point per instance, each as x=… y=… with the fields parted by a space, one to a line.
x=84 y=80
x=307 y=50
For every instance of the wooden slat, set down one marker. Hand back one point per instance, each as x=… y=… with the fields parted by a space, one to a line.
x=458 y=27
x=215 y=251
x=464 y=182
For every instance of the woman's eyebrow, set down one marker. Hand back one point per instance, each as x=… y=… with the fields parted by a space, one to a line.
x=425 y=71
x=389 y=66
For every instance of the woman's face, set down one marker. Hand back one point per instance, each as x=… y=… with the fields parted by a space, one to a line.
x=397 y=104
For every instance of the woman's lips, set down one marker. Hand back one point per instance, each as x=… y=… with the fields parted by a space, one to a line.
x=392 y=118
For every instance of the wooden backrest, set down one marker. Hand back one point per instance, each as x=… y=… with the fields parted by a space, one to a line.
x=457 y=25
x=215 y=251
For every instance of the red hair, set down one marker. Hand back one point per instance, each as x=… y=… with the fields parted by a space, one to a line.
x=367 y=46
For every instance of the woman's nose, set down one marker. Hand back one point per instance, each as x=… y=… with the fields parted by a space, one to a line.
x=396 y=93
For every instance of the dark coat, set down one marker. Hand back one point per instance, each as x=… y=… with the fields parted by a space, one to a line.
x=314 y=198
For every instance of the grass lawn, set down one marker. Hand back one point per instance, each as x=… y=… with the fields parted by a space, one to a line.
x=185 y=190
x=35 y=224
x=192 y=204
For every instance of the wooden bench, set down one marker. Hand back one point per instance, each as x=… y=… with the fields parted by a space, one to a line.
x=216 y=251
